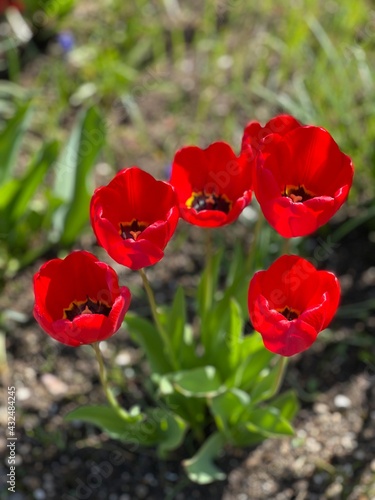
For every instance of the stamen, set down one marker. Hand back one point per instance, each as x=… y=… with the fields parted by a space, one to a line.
x=132 y=230
x=298 y=194
x=87 y=307
x=289 y=313
x=209 y=201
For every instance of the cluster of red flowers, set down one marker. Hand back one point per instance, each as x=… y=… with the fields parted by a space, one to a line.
x=300 y=179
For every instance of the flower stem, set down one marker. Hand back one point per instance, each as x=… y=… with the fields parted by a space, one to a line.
x=163 y=334
x=121 y=412
x=208 y=292
x=249 y=265
x=282 y=364
x=286 y=246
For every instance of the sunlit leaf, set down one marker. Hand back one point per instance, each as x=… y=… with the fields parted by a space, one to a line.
x=201 y=468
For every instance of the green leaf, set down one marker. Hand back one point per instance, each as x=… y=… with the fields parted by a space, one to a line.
x=235 y=334
x=241 y=435
x=144 y=333
x=267 y=383
x=72 y=180
x=176 y=321
x=10 y=139
x=172 y=429
x=199 y=382
x=268 y=421
x=156 y=427
x=228 y=407
x=208 y=284
x=246 y=375
x=32 y=180
x=200 y=468
x=287 y=403
x=106 y=418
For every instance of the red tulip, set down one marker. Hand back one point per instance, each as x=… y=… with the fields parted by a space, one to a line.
x=301 y=180
x=290 y=303
x=134 y=217
x=78 y=299
x=213 y=185
x=255 y=136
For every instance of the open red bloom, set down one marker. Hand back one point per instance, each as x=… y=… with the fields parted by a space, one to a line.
x=301 y=180
x=290 y=303
x=134 y=217
x=78 y=299
x=255 y=137
x=213 y=185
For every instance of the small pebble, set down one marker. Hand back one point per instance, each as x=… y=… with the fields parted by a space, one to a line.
x=23 y=393
x=40 y=494
x=54 y=386
x=342 y=401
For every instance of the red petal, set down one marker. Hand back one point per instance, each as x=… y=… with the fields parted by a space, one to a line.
x=294 y=283
x=215 y=169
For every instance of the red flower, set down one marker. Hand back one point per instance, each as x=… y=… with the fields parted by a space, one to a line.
x=254 y=138
x=4 y=4
x=134 y=217
x=290 y=303
x=213 y=185
x=301 y=180
x=78 y=299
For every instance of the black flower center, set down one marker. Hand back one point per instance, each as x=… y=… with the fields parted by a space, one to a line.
x=289 y=314
x=87 y=307
x=132 y=229
x=298 y=194
x=209 y=201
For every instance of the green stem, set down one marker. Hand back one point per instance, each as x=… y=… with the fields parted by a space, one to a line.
x=249 y=264
x=121 y=412
x=163 y=334
x=286 y=246
x=208 y=293
x=282 y=364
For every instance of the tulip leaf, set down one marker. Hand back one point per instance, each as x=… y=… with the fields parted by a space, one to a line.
x=228 y=407
x=156 y=427
x=235 y=334
x=200 y=468
x=31 y=181
x=198 y=382
x=104 y=417
x=248 y=371
x=72 y=180
x=11 y=137
x=287 y=403
x=257 y=425
x=266 y=383
x=208 y=284
x=144 y=333
x=172 y=430
x=177 y=320
x=268 y=421
x=241 y=435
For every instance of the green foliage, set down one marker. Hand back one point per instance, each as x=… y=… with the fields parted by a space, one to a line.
x=72 y=187
x=156 y=427
x=29 y=208
x=233 y=383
